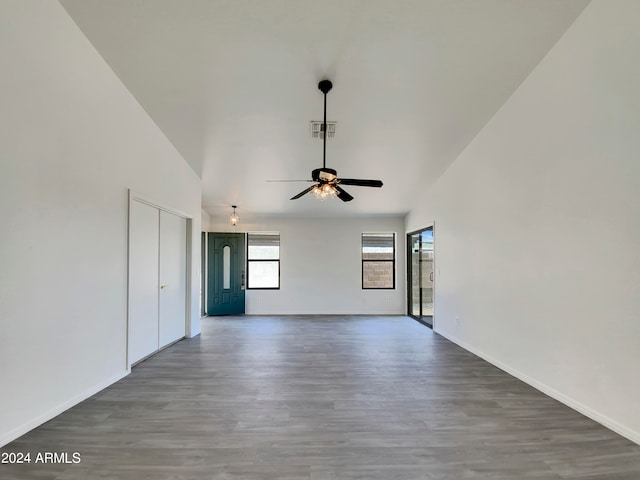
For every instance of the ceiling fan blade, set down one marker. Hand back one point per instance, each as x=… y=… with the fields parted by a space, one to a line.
x=342 y=195
x=273 y=181
x=304 y=192
x=360 y=183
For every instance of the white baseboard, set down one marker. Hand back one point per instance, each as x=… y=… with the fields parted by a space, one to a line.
x=552 y=392
x=10 y=436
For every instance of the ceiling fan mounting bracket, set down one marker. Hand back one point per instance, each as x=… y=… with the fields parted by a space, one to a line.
x=325 y=86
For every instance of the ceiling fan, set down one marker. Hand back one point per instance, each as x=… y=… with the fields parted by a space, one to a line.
x=327 y=183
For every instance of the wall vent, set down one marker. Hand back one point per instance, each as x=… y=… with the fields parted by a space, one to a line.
x=316 y=129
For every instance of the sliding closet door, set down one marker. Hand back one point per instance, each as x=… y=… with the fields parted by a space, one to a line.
x=173 y=277
x=157 y=279
x=143 y=280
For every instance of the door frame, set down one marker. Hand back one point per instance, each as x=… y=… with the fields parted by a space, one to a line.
x=431 y=227
x=204 y=272
x=133 y=196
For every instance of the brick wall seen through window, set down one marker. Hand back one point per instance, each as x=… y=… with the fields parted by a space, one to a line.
x=378 y=260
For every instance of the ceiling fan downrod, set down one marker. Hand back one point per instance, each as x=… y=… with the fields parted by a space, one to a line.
x=324 y=86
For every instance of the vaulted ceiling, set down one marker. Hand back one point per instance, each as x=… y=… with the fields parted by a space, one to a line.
x=233 y=85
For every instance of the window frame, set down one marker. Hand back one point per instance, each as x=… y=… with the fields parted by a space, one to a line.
x=392 y=260
x=249 y=261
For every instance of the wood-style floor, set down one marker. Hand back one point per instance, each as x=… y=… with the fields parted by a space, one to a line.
x=321 y=398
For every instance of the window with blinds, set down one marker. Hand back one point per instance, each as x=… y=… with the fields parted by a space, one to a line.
x=378 y=260
x=263 y=261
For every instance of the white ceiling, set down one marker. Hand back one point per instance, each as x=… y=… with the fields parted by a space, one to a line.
x=233 y=85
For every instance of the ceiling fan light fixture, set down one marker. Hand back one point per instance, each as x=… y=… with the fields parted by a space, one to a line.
x=325 y=191
x=234 y=218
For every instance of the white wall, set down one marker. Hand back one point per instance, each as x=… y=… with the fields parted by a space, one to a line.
x=72 y=141
x=320 y=266
x=205 y=221
x=538 y=225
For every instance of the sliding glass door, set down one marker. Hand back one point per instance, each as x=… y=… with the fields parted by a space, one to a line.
x=420 y=275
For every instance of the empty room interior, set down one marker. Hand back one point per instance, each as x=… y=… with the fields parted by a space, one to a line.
x=337 y=239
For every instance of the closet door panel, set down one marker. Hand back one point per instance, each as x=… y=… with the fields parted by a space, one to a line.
x=173 y=269
x=143 y=280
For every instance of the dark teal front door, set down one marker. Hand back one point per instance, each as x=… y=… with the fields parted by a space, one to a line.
x=225 y=292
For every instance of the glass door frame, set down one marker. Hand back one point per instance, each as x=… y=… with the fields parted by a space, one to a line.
x=427 y=320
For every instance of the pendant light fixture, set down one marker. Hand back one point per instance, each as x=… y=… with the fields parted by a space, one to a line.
x=234 y=218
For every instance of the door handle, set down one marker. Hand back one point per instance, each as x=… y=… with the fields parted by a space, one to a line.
x=242 y=280
x=431 y=276
x=163 y=285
